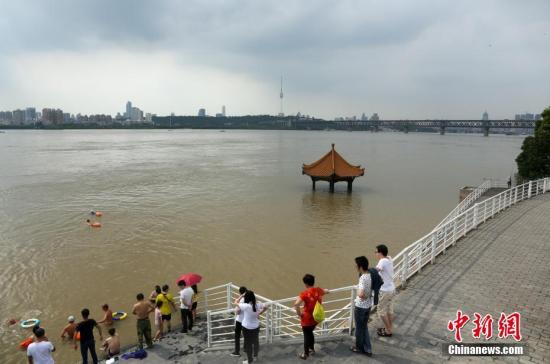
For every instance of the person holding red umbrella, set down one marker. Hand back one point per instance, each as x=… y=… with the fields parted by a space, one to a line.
x=186 y=305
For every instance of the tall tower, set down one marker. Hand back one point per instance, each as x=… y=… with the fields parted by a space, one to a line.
x=281 y=113
x=128 y=110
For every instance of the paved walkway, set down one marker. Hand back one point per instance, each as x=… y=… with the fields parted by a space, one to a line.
x=501 y=267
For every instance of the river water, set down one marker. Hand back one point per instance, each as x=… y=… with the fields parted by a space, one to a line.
x=232 y=206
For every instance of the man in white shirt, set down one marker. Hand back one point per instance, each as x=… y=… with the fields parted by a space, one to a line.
x=186 y=304
x=40 y=351
x=387 y=291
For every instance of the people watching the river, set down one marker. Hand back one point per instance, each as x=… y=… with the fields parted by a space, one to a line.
x=387 y=291
x=238 y=323
x=167 y=306
x=186 y=304
x=107 y=315
x=69 y=329
x=87 y=342
x=251 y=324
x=142 y=309
x=308 y=298
x=40 y=351
x=363 y=304
x=111 y=345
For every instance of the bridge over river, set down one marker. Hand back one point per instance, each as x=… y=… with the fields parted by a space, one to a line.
x=442 y=125
x=490 y=258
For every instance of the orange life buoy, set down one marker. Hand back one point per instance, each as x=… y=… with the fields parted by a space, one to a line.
x=77 y=336
x=25 y=343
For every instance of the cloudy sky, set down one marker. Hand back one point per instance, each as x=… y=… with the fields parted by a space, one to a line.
x=400 y=58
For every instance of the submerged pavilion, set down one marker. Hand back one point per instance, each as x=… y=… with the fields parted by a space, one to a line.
x=332 y=167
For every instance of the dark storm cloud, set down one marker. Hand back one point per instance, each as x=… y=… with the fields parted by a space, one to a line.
x=364 y=55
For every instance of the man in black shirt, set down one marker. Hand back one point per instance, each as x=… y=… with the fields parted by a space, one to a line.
x=86 y=330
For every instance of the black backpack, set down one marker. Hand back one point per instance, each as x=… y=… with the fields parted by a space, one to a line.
x=376 y=282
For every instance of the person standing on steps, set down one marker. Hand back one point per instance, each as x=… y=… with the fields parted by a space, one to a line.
x=87 y=341
x=251 y=325
x=363 y=304
x=167 y=306
x=239 y=323
x=387 y=291
x=142 y=309
x=186 y=305
x=308 y=299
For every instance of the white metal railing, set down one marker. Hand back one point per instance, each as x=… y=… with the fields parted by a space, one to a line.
x=423 y=251
x=470 y=199
x=280 y=320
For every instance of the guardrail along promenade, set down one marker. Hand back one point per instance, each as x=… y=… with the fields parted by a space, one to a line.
x=491 y=257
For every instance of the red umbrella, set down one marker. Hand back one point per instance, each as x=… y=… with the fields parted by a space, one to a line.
x=189 y=278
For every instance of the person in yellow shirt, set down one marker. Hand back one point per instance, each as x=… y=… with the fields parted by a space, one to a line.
x=167 y=305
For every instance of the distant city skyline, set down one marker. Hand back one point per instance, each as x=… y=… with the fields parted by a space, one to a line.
x=426 y=59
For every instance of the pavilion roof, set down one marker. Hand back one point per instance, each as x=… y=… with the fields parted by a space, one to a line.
x=331 y=164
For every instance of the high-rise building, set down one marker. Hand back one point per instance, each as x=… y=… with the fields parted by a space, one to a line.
x=364 y=117
x=374 y=117
x=128 y=112
x=485 y=116
x=30 y=114
x=223 y=110
x=18 y=117
x=52 y=116
x=202 y=112
x=136 y=114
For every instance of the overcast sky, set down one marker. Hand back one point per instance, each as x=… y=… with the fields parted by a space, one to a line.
x=399 y=58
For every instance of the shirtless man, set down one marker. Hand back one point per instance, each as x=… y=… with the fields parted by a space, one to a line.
x=69 y=330
x=142 y=309
x=108 y=317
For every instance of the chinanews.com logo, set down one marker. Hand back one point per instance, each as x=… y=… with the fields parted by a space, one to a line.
x=482 y=326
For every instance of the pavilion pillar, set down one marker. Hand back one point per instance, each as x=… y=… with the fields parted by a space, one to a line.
x=350 y=185
x=313 y=183
x=331 y=185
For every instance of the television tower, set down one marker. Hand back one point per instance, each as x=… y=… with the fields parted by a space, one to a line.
x=281 y=113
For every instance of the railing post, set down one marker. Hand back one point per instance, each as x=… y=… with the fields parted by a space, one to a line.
x=209 y=329
x=268 y=338
x=419 y=258
x=351 y=310
x=529 y=190
x=407 y=264
x=228 y=292
x=434 y=239
x=454 y=231
x=475 y=218
x=445 y=239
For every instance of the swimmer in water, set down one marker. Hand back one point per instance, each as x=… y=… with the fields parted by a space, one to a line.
x=69 y=330
x=93 y=224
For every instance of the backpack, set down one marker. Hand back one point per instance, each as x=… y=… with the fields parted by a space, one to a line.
x=376 y=282
x=319 y=312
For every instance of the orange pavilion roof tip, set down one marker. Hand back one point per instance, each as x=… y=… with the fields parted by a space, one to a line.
x=332 y=164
